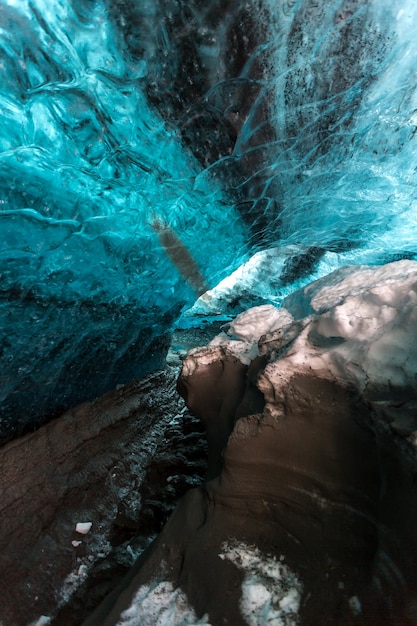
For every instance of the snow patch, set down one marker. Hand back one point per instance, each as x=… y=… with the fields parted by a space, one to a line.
x=244 y=332
x=271 y=592
x=160 y=604
x=250 y=325
x=83 y=527
x=74 y=580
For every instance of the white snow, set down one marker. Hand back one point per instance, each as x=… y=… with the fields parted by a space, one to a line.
x=357 y=325
x=250 y=325
x=242 y=350
x=243 y=334
x=83 y=527
x=270 y=595
x=74 y=580
x=260 y=278
x=271 y=592
x=353 y=280
x=371 y=312
x=200 y=357
x=160 y=604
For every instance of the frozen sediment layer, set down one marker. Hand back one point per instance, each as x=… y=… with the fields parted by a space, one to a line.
x=318 y=470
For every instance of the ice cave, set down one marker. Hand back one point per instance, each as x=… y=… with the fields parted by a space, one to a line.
x=208 y=302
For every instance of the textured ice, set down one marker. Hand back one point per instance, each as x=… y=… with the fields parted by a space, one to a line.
x=240 y=129
x=322 y=452
x=86 y=167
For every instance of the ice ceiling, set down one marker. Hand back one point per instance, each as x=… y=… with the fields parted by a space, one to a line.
x=148 y=148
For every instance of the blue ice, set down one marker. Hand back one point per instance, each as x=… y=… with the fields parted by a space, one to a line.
x=88 y=166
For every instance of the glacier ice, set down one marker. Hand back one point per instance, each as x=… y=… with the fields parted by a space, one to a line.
x=240 y=128
x=88 y=293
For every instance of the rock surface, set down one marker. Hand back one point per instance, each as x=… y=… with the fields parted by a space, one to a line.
x=84 y=495
x=309 y=515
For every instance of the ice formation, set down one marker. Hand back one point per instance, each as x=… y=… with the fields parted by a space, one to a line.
x=270 y=591
x=158 y=605
x=86 y=168
x=242 y=129
x=167 y=164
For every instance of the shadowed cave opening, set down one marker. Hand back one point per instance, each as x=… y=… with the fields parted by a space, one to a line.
x=164 y=168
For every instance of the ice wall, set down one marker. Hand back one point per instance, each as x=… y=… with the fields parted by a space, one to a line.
x=230 y=128
x=89 y=174
x=345 y=120
x=315 y=102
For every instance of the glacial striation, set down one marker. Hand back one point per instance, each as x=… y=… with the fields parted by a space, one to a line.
x=308 y=512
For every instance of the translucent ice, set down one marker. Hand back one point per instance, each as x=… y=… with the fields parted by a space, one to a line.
x=86 y=167
x=236 y=129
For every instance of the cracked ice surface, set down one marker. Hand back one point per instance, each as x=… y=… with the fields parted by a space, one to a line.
x=86 y=166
